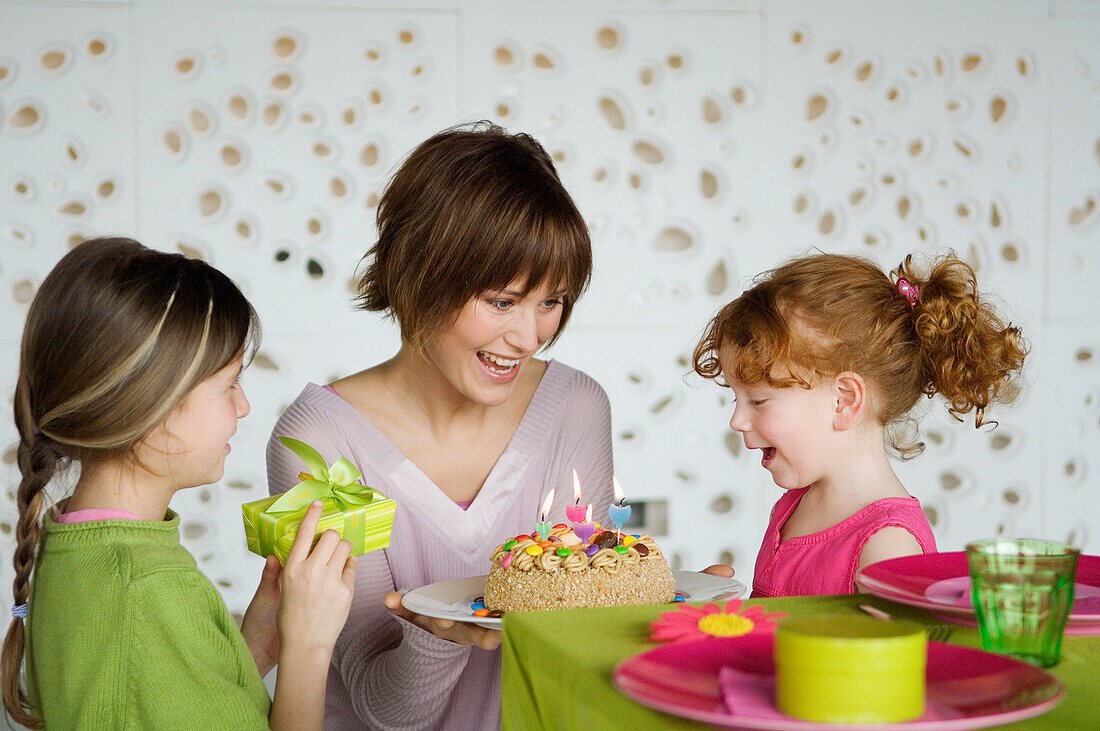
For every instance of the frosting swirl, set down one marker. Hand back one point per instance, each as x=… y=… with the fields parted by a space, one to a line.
x=574 y=562
x=548 y=561
x=648 y=542
x=606 y=559
x=523 y=561
x=609 y=560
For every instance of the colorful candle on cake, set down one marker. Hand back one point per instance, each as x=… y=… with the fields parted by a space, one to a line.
x=618 y=512
x=585 y=528
x=544 y=526
x=576 y=512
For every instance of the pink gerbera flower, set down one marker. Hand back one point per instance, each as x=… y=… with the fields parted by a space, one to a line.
x=690 y=623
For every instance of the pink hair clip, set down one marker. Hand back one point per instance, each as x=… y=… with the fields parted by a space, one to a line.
x=910 y=291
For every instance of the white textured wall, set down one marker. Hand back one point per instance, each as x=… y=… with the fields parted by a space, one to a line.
x=704 y=142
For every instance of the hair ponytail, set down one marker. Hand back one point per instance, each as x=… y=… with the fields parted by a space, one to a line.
x=969 y=355
x=39 y=461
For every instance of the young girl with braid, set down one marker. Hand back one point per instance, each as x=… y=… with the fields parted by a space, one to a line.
x=128 y=374
x=826 y=357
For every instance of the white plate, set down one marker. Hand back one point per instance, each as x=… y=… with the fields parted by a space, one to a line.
x=452 y=599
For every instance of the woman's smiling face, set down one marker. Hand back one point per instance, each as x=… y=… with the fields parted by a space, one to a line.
x=494 y=336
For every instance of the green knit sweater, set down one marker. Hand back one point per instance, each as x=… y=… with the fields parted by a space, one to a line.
x=124 y=632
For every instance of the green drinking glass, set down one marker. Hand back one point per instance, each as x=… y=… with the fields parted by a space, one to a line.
x=1022 y=591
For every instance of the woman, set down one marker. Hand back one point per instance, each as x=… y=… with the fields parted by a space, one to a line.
x=480 y=258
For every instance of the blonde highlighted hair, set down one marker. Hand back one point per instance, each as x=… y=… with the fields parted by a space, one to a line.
x=820 y=315
x=115 y=339
x=472 y=209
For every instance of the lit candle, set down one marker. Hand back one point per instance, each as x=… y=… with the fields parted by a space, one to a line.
x=618 y=512
x=576 y=513
x=543 y=527
x=585 y=529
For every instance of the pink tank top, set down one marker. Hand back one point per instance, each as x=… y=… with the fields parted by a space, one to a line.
x=825 y=562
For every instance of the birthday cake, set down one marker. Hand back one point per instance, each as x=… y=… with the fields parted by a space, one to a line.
x=610 y=569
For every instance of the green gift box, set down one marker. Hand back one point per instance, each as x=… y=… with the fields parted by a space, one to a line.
x=360 y=514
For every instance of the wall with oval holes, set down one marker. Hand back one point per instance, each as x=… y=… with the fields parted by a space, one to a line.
x=704 y=142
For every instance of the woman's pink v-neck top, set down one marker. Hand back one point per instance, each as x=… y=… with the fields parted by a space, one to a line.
x=464 y=504
x=826 y=562
x=386 y=672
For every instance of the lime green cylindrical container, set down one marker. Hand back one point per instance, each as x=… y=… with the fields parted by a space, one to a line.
x=850 y=669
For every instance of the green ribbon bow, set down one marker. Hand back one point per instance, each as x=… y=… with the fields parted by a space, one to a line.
x=337 y=482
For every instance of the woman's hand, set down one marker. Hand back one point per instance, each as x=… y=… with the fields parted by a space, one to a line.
x=719 y=569
x=258 y=626
x=462 y=633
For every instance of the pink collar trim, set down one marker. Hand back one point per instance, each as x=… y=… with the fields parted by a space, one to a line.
x=84 y=516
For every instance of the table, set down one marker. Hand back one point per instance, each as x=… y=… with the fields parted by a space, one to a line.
x=557 y=666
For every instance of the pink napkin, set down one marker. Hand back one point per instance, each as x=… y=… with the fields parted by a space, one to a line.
x=748 y=694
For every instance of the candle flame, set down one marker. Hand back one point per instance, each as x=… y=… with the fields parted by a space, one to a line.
x=588 y=514
x=619 y=496
x=547 y=504
x=576 y=489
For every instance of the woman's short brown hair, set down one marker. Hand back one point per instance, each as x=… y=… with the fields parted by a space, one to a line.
x=471 y=210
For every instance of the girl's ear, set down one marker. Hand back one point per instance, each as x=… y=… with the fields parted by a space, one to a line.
x=850 y=392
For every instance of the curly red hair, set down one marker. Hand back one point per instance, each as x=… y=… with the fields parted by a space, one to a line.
x=820 y=315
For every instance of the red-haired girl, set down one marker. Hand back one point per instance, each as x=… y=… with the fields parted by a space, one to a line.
x=826 y=356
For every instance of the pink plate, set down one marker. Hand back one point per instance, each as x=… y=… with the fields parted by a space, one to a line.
x=966 y=688
x=939 y=583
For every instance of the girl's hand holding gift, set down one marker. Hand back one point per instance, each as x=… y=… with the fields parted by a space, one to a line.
x=260 y=625
x=316 y=587
x=315 y=591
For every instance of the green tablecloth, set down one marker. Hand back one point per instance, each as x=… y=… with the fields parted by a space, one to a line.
x=557 y=666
